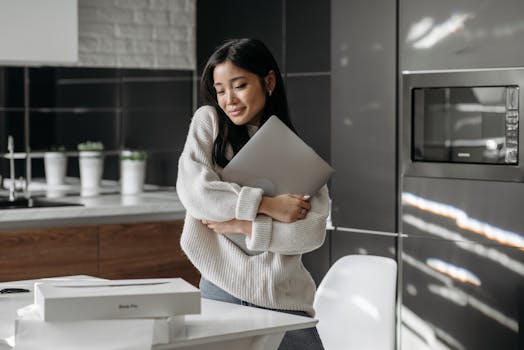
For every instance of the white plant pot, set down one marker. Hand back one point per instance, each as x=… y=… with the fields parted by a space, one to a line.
x=133 y=173
x=91 y=169
x=55 y=165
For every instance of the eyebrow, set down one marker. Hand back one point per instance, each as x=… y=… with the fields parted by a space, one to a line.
x=232 y=80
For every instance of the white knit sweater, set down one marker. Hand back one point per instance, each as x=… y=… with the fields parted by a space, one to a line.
x=275 y=278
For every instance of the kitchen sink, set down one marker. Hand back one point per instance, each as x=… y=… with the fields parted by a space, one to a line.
x=24 y=203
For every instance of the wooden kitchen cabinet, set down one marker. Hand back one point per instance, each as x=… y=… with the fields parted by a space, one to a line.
x=46 y=252
x=145 y=250
x=116 y=251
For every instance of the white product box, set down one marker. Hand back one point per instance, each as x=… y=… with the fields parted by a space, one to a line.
x=116 y=299
x=34 y=334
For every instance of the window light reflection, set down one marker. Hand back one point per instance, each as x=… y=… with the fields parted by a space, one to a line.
x=477 y=107
x=366 y=306
x=418 y=29
x=463 y=221
x=456 y=272
x=464 y=299
x=487 y=143
x=464 y=122
x=470 y=246
x=443 y=30
x=417 y=334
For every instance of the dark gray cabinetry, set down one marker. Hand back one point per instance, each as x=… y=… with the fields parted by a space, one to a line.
x=462 y=259
x=222 y=20
x=307 y=74
x=308 y=98
x=307 y=67
x=462 y=263
x=458 y=295
x=122 y=108
x=317 y=262
x=487 y=212
x=345 y=243
x=363 y=124
x=453 y=34
x=307 y=36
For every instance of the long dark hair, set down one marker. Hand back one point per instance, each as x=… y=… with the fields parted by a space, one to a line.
x=253 y=56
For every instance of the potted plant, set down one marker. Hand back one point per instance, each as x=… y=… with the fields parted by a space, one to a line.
x=91 y=162
x=132 y=171
x=55 y=166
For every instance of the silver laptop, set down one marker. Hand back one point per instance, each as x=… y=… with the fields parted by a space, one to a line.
x=278 y=161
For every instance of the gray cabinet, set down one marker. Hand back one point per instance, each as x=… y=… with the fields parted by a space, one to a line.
x=464 y=34
x=458 y=295
x=461 y=263
x=363 y=114
x=346 y=243
x=219 y=21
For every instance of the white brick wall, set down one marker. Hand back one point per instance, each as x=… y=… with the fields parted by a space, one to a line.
x=137 y=33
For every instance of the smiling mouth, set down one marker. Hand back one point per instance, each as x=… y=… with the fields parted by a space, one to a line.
x=236 y=112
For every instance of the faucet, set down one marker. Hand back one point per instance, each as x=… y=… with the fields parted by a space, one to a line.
x=13 y=184
x=11 y=150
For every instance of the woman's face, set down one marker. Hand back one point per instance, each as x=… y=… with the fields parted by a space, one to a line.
x=240 y=93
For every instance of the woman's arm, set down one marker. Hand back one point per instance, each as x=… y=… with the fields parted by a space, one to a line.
x=297 y=237
x=285 y=208
x=199 y=187
x=266 y=234
x=230 y=227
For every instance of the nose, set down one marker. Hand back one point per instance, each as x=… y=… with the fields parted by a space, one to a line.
x=230 y=97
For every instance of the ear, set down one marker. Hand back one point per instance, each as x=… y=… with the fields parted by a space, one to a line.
x=271 y=81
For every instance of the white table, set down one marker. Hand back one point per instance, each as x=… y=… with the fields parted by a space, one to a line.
x=219 y=326
x=229 y=326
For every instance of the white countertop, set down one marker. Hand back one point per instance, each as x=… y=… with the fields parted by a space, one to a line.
x=108 y=208
x=219 y=325
x=229 y=326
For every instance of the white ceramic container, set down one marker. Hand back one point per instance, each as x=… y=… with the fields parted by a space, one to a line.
x=132 y=174
x=55 y=164
x=91 y=168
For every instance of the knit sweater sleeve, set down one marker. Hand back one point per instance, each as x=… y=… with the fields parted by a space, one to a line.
x=199 y=187
x=299 y=237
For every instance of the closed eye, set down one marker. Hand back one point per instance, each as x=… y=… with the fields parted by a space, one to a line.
x=240 y=87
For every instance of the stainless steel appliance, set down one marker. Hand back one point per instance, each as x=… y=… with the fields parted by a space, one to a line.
x=464 y=124
x=461 y=200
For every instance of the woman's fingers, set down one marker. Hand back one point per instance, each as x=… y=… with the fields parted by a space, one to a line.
x=287 y=207
x=208 y=223
x=303 y=200
x=303 y=205
x=304 y=197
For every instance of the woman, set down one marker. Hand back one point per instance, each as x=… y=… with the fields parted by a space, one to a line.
x=242 y=87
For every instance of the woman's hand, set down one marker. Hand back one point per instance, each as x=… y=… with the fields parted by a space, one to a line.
x=231 y=226
x=286 y=207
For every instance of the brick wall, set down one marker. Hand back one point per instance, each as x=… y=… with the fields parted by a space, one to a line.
x=137 y=33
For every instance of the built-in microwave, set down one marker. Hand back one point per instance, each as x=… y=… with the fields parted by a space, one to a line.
x=463 y=124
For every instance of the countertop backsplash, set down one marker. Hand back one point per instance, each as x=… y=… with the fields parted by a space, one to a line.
x=141 y=109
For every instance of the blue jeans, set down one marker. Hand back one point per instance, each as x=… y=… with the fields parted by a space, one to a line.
x=300 y=339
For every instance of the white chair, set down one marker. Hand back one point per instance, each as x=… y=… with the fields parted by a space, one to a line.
x=355 y=304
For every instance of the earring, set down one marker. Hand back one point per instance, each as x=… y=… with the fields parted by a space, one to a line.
x=270 y=92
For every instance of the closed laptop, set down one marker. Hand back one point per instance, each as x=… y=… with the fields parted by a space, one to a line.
x=278 y=161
